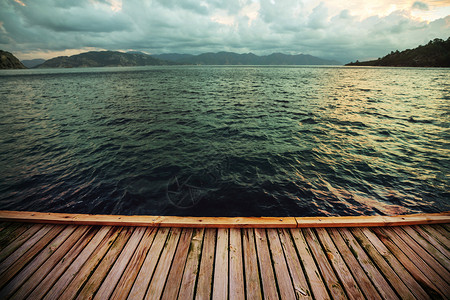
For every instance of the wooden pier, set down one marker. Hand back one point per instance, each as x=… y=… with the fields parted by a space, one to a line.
x=63 y=256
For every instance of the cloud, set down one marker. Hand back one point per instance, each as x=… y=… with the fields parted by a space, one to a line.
x=331 y=29
x=420 y=6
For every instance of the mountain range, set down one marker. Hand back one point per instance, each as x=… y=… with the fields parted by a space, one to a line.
x=102 y=59
x=134 y=58
x=231 y=58
x=434 y=54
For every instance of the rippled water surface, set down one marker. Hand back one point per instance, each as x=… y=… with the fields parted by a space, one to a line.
x=227 y=141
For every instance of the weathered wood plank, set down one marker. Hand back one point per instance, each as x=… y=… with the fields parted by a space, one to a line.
x=265 y=264
x=91 y=264
x=155 y=221
x=299 y=282
x=338 y=263
x=145 y=274
x=331 y=280
x=10 y=233
x=205 y=275
x=187 y=287
x=369 y=267
x=220 y=281
x=37 y=276
x=95 y=280
x=422 y=253
x=442 y=231
x=215 y=222
x=368 y=239
x=237 y=289
x=386 y=261
x=162 y=269
x=126 y=281
x=223 y=222
x=443 y=260
x=113 y=277
x=437 y=235
x=407 y=256
x=29 y=255
x=367 y=287
x=179 y=262
x=29 y=269
x=370 y=221
x=69 y=266
x=285 y=285
x=442 y=248
x=318 y=288
x=252 y=278
x=21 y=245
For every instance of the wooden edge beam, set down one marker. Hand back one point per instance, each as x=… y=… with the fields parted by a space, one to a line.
x=371 y=221
x=153 y=221
x=217 y=222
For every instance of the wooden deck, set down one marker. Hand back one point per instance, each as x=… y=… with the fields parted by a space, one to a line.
x=326 y=259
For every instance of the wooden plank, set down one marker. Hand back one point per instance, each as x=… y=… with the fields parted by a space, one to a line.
x=205 y=275
x=20 y=241
x=30 y=254
x=68 y=267
x=370 y=221
x=371 y=270
x=443 y=232
x=395 y=273
x=237 y=289
x=368 y=239
x=179 y=261
x=284 y=280
x=326 y=270
x=443 y=260
x=408 y=255
x=422 y=253
x=78 y=219
x=338 y=263
x=252 y=278
x=50 y=263
x=145 y=274
x=265 y=264
x=95 y=280
x=161 y=221
x=364 y=282
x=299 y=282
x=187 y=288
x=442 y=248
x=126 y=281
x=214 y=222
x=10 y=233
x=162 y=269
x=29 y=269
x=318 y=288
x=11 y=259
x=113 y=277
x=437 y=235
x=220 y=281
x=224 y=222
x=91 y=264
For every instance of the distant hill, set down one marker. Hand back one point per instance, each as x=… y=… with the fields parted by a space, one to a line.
x=434 y=54
x=9 y=61
x=102 y=59
x=31 y=63
x=230 y=58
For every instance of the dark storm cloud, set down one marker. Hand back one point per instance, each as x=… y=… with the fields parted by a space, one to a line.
x=326 y=29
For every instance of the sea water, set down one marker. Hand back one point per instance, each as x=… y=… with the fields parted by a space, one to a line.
x=226 y=140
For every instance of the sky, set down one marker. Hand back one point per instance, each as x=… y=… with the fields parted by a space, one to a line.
x=333 y=29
